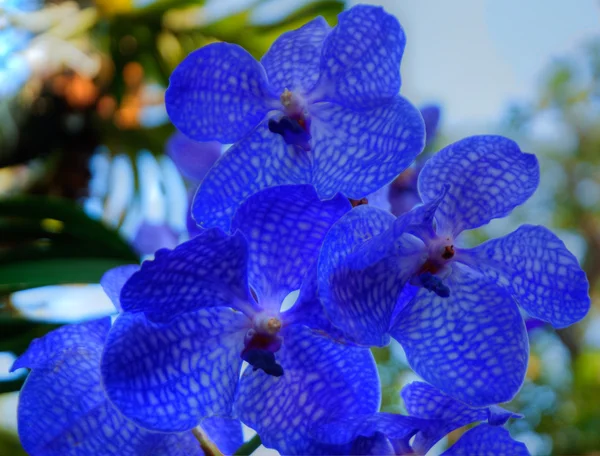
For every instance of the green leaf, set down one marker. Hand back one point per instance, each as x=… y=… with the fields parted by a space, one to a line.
x=9 y=444
x=22 y=275
x=248 y=447
x=11 y=386
x=43 y=249
x=28 y=219
x=11 y=327
x=49 y=241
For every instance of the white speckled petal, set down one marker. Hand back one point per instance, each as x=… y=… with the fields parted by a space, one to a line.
x=308 y=309
x=338 y=293
x=534 y=264
x=357 y=152
x=285 y=227
x=354 y=153
x=488 y=177
x=169 y=376
x=293 y=61
x=321 y=380
x=219 y=92
x=63 y=409
x=348 y=428
x=425 y=401
x=209 y=270
x=363 y=265
x=360 y=64
x=472 y=345
x=260 y=160
x=486 y=440
x=50 y=350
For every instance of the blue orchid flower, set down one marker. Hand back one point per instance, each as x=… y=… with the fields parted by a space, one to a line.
x=431 y=116
x=321 y=108
x=402 y=193
x=427 y=402
x=175 y=355
x=431 y=416
x=454 y=309
x=192 y=158
x=63 y=409
x=484 y=440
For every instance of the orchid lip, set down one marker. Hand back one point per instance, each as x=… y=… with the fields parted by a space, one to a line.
x=294 y=132
x=261 y=343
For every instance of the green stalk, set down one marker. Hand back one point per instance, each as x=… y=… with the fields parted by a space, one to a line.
x=249 y=447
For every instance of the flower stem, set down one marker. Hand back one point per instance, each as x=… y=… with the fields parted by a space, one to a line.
x=209 y=448
x=249 y=447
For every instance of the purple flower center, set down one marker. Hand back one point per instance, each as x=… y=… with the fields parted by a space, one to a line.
x=291 y=131
x=434 y=283
x=436 y=267
x=294 y=125
x=261 y=343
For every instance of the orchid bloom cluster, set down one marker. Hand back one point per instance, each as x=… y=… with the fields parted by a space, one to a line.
x=203 y=341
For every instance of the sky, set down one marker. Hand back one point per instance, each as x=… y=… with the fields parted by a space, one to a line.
x=477 y=56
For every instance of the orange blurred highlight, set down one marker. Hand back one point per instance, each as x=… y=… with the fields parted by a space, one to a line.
x=106 y=107
x=133 y=74
x=79 y=91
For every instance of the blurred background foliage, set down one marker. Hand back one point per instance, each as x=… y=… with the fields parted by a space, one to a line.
x=86 y=182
